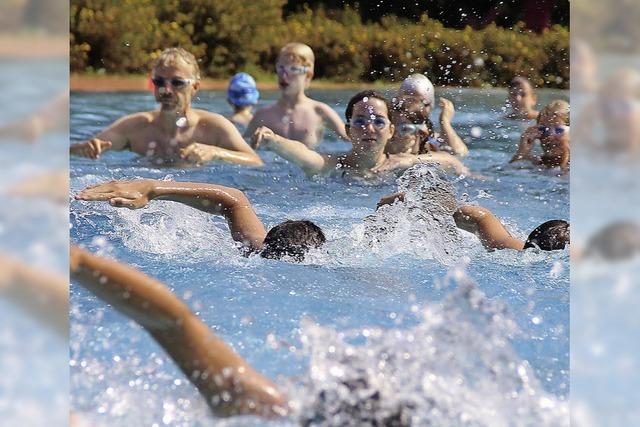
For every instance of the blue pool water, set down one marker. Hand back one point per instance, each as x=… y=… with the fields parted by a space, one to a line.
x=380 y=292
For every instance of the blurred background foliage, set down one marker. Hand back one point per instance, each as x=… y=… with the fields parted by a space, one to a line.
x=481 y=43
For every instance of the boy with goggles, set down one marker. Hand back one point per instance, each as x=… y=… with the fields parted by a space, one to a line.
x=176 y=131
x=295 y=116
x=552 y=130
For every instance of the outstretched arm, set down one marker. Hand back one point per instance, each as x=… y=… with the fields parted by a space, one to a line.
x=449 y=135
x=215 y=199
x=210 y=364
x=112 y=138
x=224 y=142
x=333 y=121
x=484 y=224
x=311 y=162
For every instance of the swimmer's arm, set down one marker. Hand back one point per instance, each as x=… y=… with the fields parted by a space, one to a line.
x=233 y=148
x=210 y=364
x=333 y=120
x=449 y=135
x=214 y=199
x=484 y=224
x=112 y=138
x=311 y=162
x=527 y=140
x=203 y=153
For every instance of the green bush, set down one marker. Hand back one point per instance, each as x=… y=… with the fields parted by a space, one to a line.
x=229 y=36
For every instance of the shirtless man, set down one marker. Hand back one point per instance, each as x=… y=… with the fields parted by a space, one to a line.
x=175 y=131
x=295 y=116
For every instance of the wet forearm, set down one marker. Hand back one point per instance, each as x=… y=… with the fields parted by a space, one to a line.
x=451 y=138
x=296 y=152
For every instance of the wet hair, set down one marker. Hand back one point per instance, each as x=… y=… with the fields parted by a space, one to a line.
x=519 y=81
x=292 y=239
x=298 y=53
x=348 y=113
x=170 y=56
x=549 y=236
x=557 y=108
x=617 y=241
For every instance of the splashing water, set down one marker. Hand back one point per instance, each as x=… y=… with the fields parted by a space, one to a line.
x=455 y=367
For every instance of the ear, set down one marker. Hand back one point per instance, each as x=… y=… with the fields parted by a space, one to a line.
x=392 y=130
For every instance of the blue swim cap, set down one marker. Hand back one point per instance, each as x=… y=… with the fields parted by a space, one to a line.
x=242 y=90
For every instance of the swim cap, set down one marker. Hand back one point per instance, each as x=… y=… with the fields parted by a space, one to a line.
x=242 y=90
x=419 y=85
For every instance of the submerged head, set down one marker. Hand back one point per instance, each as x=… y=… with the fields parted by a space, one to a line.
x=176 y=78
x=521 y=94
x=549 y=236
x=417 y=87
x=368 y=121
x=242 y=91
x=294 y=67
x=292 y=239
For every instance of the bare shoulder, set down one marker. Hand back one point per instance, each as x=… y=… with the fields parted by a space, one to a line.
x=212 y=120
x=321 y=107
x=135 y=120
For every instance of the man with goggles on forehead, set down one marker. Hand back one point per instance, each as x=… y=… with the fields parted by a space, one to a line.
x=175 y=131
x=418 y=95
x=295 y=116
x=552 y=130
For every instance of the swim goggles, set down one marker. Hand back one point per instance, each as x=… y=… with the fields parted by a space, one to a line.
x=175 y=82
x=556 y=130
x=377 y=122
x=291 y=69
x=409 y=128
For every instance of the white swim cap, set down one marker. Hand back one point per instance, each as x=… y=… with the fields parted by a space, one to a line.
x=419 y=85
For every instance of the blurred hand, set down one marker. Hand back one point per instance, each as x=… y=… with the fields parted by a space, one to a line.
x=91 y=149
x=129 y=194
x=199 y=153
x=447 y=110
x=263 y=136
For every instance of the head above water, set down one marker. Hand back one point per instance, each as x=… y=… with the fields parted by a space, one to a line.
x=173 y=56
x=418 y=86
x=555 y=113
x=362 y=96
x=549 y=236
x=292 y=239
x=242 y=90
x=297 y=54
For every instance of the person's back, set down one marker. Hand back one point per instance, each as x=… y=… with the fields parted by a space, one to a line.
x=295 y=116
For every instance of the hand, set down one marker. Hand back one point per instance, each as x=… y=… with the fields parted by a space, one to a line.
x=199 y=153
x=129 y=194
x=91 y=149
x=263 y=135
x=390 y=199
x=447 y=110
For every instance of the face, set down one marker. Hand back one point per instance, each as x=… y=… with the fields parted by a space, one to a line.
x=417 y=102
x=174 y=85
x=554 y=133
x=406 y=134
x=370 y=127
x=292 y=76
x=522 y=96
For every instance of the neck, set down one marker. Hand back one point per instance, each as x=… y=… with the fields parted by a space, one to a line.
x=399 y=147
x=290 y=100
x=242 y=110
x=365 y=160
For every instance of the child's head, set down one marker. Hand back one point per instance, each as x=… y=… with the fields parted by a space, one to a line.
x=549 y=236
x=419 y=89
x=554 y=113
x=294 y=66
x=368 y=120
x=411 y=127
x=292 y=239
x=242 y=91
x=521 y=94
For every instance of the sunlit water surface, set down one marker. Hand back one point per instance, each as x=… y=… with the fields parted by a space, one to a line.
x=388 y=303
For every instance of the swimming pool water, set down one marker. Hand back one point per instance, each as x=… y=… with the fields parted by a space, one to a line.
x=119 y=376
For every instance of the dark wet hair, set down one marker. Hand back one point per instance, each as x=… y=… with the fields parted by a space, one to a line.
x=348 y=113
x=519 y=80
x=549 y=236
x=292 y=239
x=617 y=241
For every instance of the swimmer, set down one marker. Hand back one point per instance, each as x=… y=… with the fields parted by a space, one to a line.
x=175 y=131
x=412 y=139
x=522 y=100
x=242 y=95
x=549 y=236
x=369 y=129
x=295 y=116
x=552 y=131
x=617 y=109
x=228 y=383
x=290 y=239
x=52 y=117
x=418 y=95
